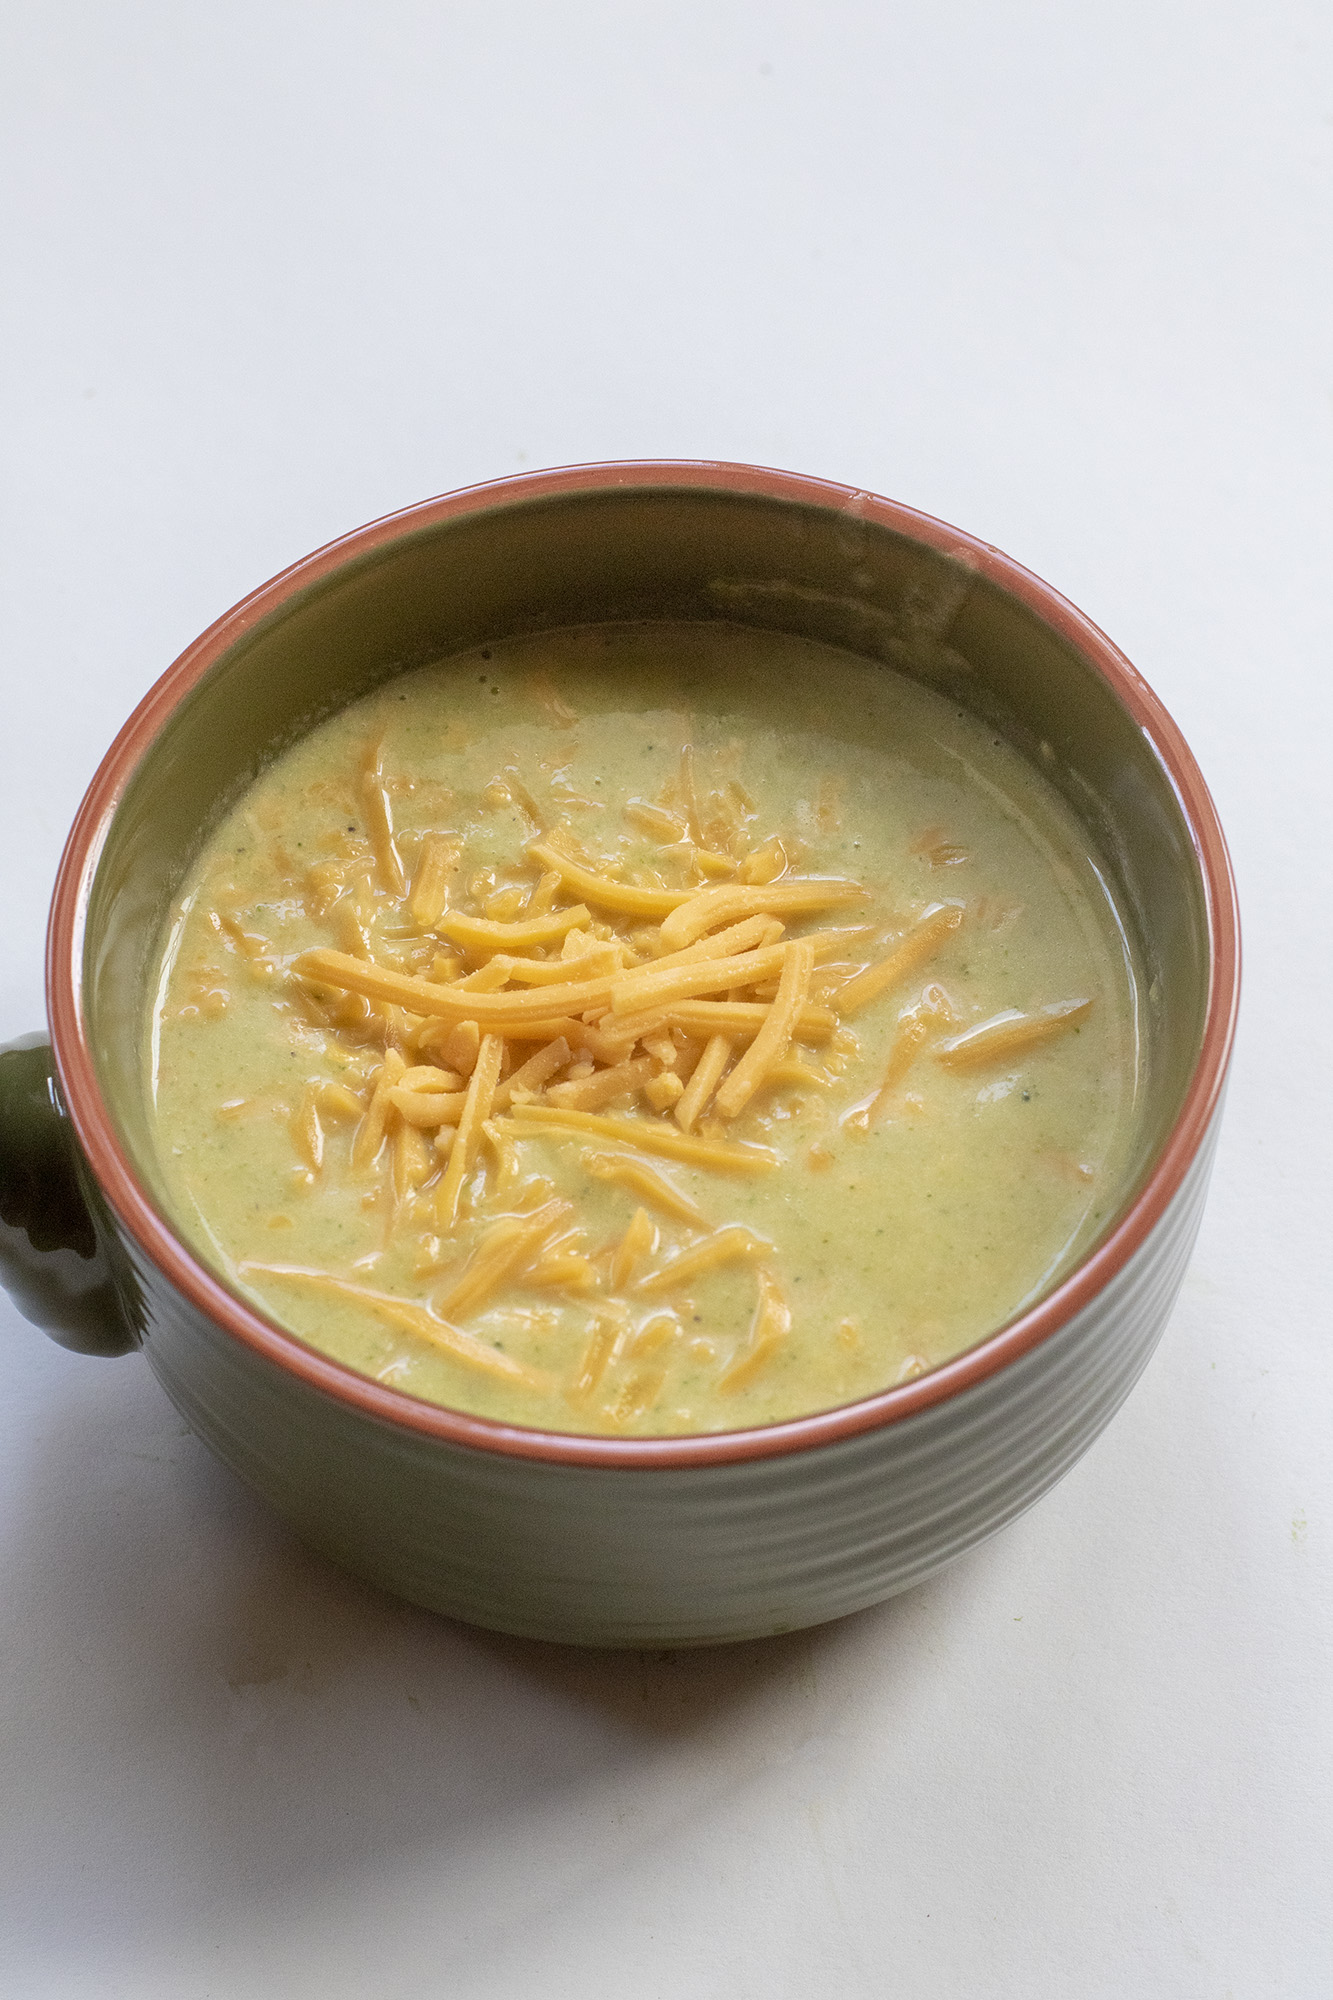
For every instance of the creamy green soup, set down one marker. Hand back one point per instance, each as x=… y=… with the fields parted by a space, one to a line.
x=645 y=1029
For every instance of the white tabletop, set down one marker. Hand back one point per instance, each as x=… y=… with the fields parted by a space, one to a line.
x=1058 y=274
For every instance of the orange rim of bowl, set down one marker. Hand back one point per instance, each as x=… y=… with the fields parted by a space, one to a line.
x=155 y=1236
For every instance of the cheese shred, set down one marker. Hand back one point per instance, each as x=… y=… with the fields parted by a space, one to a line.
x=913 y=951
x=557 y=999
x=476 y=1109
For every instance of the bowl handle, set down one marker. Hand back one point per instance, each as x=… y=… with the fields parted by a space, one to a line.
x=52 y=1260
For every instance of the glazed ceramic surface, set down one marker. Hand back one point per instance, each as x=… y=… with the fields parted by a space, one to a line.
x=648 y=1541
x=669 y=1553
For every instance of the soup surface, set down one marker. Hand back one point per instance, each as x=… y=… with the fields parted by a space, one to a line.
x=645 y=1029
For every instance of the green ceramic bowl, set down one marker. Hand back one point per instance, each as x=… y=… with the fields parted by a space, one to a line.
x=614 y=1541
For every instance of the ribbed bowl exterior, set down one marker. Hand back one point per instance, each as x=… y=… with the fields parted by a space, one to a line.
x=665 y=1557
x=625 y=1541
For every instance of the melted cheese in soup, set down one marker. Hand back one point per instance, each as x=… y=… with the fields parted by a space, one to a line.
x=645 y=1029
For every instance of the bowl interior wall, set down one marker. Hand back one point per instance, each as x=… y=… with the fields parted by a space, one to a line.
x=656 y=553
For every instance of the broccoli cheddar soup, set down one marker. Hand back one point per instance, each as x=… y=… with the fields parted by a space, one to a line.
x=645 y=1029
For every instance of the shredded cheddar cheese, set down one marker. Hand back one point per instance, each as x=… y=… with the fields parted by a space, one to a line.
x=510 y=1245
x=418 y=1320
x=648 y=1183
x=551 y=1069
x=694 y=1099
x=1010 y=1032
x=654 y=1135
x=481 y=934
x=638 y=1242
x=375 y=805
x=725 y=1246
x=771 y=1043
x=476 y=1109
x=720 y=905
x=770 y=1327
x=624 y=897
x=430 y=884
x=914 y=950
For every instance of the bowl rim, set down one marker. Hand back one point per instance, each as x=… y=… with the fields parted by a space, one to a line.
x=155 y=1237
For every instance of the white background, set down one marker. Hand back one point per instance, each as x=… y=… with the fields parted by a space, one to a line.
x=1059 y=273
